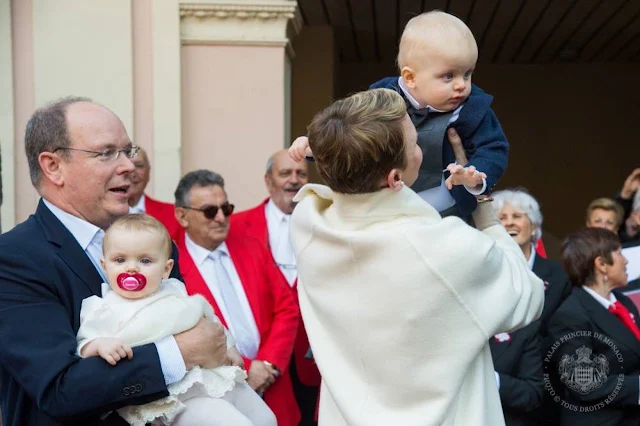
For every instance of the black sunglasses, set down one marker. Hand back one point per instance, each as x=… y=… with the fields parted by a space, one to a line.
x=211 y=211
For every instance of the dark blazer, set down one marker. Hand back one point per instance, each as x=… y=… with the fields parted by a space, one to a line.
x=557 y=287
x=44 y=276
x=518 y=360
x=580 y=312
x=484 y=141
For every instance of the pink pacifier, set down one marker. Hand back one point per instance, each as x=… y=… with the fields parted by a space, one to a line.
x=131 y=282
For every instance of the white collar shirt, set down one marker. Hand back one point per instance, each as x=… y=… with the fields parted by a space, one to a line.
x=139 y=207
x=278 y=224
x=205 y=264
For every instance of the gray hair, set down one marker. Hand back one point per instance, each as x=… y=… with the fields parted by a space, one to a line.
x=270 y=162
x=520 y=199
x=199 y=178
x=636 y=201
x=46 y=131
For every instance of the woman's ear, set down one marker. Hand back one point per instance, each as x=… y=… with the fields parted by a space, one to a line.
x=394 y=180
x=600 y=265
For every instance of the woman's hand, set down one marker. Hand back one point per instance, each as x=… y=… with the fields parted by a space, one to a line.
x=235 y=358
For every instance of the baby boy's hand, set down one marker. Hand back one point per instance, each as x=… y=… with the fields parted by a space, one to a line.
x=112 y=350
x=460 y=175
x=299 y=149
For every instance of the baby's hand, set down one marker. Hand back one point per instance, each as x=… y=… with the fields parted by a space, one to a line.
x=299 y=149
x=110 y=349
x=460 y=175
x=235 y=358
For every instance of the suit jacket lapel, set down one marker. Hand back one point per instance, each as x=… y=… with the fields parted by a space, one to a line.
x=68 y=249
x=193 y=280
x=610 y=325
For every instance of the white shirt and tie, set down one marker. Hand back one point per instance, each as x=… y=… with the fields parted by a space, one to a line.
x=278 y=224
x=90 y=239
x=139 y=207
x=219 y=273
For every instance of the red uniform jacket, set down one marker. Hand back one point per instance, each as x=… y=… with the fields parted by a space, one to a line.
x=254 y=222
x=274 y=309
x=164 y=212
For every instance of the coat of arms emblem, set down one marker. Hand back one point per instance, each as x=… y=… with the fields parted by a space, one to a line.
x=583 y=372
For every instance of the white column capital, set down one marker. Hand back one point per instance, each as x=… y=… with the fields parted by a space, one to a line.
x=240 y=22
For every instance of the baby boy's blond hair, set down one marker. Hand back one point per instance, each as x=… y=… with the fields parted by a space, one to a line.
x=433 y=30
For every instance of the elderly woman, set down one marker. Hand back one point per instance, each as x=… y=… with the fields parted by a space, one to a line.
x=520 y=215
x=399 y=303
x=517 y=357
x=597 y=349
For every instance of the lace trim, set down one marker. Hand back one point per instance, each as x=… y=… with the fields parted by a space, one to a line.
x=210 y=382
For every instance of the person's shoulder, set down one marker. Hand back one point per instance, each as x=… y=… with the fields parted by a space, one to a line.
x=157 y=204
x=386 y=83
x=249 y=213
x=549 y=267
x=28 y=236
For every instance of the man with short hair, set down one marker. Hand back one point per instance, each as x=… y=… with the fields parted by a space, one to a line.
x=79 y=157
x=269 y=223
x=139 y=202
x=236 y=275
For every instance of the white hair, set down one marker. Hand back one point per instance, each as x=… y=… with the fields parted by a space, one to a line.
x=521 y=200
x=636 y=201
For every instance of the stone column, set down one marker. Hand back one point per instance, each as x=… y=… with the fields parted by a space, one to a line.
x=236 y=80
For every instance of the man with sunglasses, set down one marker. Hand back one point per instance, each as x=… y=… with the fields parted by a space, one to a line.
x=79 y=159
x=268 y=222
x=236 y=274
x=139 y=202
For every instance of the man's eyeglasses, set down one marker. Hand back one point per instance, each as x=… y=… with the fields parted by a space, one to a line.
x=210 y=212
x=109 y=154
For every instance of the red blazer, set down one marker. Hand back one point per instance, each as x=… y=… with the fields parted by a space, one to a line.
x=274 y=309
x=164 y=212
x=254 y=222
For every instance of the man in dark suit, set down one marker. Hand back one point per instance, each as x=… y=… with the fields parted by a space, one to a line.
x=79 y=158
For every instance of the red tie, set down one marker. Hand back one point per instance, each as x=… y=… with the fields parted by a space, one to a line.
x=621 y=312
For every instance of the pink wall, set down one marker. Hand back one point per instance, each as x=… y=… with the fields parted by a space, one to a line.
x=233 y=114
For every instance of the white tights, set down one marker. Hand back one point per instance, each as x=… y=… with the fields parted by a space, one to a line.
x=238 y=407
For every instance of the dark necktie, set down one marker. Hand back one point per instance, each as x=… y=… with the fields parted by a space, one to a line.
x=624 y=315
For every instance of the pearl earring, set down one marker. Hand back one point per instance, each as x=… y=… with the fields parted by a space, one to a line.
x=401 y=183
x=606 y=277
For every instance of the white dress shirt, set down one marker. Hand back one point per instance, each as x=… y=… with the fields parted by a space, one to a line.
x=439 y=197
x=204 y=263
x=139 y=207
x=278 y=224
x=90 y=238
x=601 y=300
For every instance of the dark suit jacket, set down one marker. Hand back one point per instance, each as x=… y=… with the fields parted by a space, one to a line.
x=580 y=312
x=557 y=287
x=484 y=141
x=519 y=363
x=44 y=276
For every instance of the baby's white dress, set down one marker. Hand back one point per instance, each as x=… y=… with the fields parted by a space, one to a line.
x=168 y=311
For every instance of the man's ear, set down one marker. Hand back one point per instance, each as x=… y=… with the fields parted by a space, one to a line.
x=51 y=166
x=268 y=182
x=409 y=77
x=181 y=216
x=394 y=180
